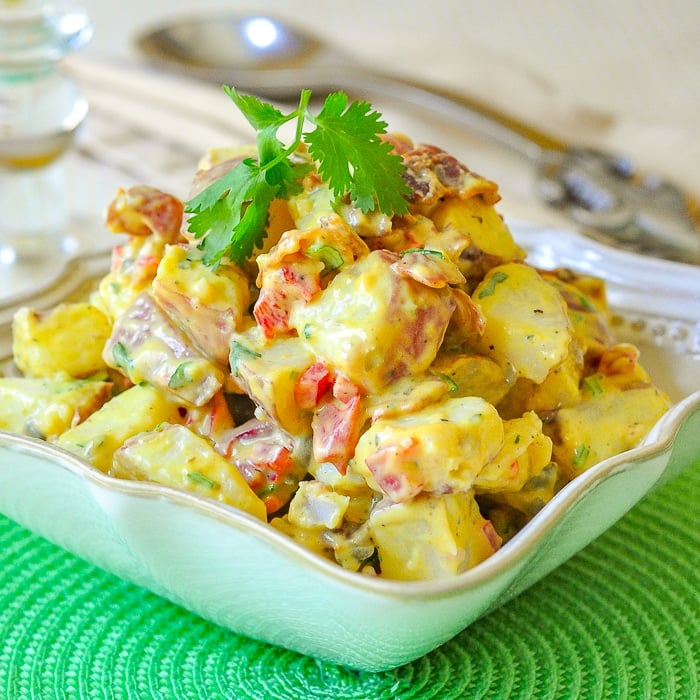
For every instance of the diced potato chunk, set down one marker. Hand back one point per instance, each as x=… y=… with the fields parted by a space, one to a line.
x=45 y=408
x=138 y=409
x=431 y=537
x=525 y=452
x=407 y=395
x=439 y=448
x=473 y=375
x=269 y=374
x=208 y=303
x=375 y=325
x=606 y=422
x=174 y=456
x=65 y=341
x=527 y=325
x=483 y=224
x=146 y=346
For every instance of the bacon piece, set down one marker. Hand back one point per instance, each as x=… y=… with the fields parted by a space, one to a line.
x=433 y=175
x=143 y=210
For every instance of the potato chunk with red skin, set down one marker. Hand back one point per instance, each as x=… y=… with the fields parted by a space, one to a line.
x=431 y=536
x=374 y=323
x=144 y=210
x=146 y=346
x=208 y=304
x=440 y=448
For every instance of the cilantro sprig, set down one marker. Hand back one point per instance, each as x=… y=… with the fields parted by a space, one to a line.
x=229 y=216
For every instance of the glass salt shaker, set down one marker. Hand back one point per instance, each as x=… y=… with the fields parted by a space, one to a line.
x=40 y=111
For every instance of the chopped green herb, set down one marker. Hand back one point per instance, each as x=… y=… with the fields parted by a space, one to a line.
x=446 y=377
x=581 y=455
x=496 y=278
x=202 y=480
x=180 y=376
x=424 y=251
x=592 y=383
x=328 y=255
x=585 y=303
x=237 y=353
x=121 y=357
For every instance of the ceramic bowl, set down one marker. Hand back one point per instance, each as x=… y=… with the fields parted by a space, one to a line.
x=240 y=573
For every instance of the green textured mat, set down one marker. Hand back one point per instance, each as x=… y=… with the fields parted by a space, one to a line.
x=619 y=620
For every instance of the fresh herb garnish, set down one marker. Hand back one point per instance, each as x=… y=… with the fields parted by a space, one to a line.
x=424 y=251
x=237 y=352
x=581 y=453
x=230 y=215
x=592 y=383
x=328 y=255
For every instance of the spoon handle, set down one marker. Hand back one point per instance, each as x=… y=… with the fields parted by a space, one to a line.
x=597 y=190
x=525 y=139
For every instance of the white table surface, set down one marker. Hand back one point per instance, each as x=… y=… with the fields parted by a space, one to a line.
x=621 y=75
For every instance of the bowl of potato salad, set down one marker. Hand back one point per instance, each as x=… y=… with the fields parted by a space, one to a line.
x=334 y=401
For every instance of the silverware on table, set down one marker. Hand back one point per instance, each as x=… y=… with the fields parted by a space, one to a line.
x=601 y=193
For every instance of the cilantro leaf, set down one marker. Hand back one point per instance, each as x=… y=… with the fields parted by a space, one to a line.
x=230 y=216
x=260 y=115
x=352 y=157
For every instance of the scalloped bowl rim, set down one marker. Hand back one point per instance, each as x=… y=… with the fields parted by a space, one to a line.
x=658 y=441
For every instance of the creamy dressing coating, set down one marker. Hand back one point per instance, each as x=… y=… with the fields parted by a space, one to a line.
x=400 y=395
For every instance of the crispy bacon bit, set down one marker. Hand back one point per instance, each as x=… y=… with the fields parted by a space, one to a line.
x=432 y=270
x=620 y=359
x=467 y=316
x=433 y=175
x=143 y=210
x=400 y=143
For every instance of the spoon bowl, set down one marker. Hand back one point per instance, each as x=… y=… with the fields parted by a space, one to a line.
x=255 y=53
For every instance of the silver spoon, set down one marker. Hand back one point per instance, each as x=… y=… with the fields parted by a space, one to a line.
x=601 y=192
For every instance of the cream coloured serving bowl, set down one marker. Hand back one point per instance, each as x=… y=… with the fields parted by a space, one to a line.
x=232 y=569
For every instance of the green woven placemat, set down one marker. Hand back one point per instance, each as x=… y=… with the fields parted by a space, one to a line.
x=619 y=620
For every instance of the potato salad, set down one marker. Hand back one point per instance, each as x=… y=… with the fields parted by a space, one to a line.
x=399 y=394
